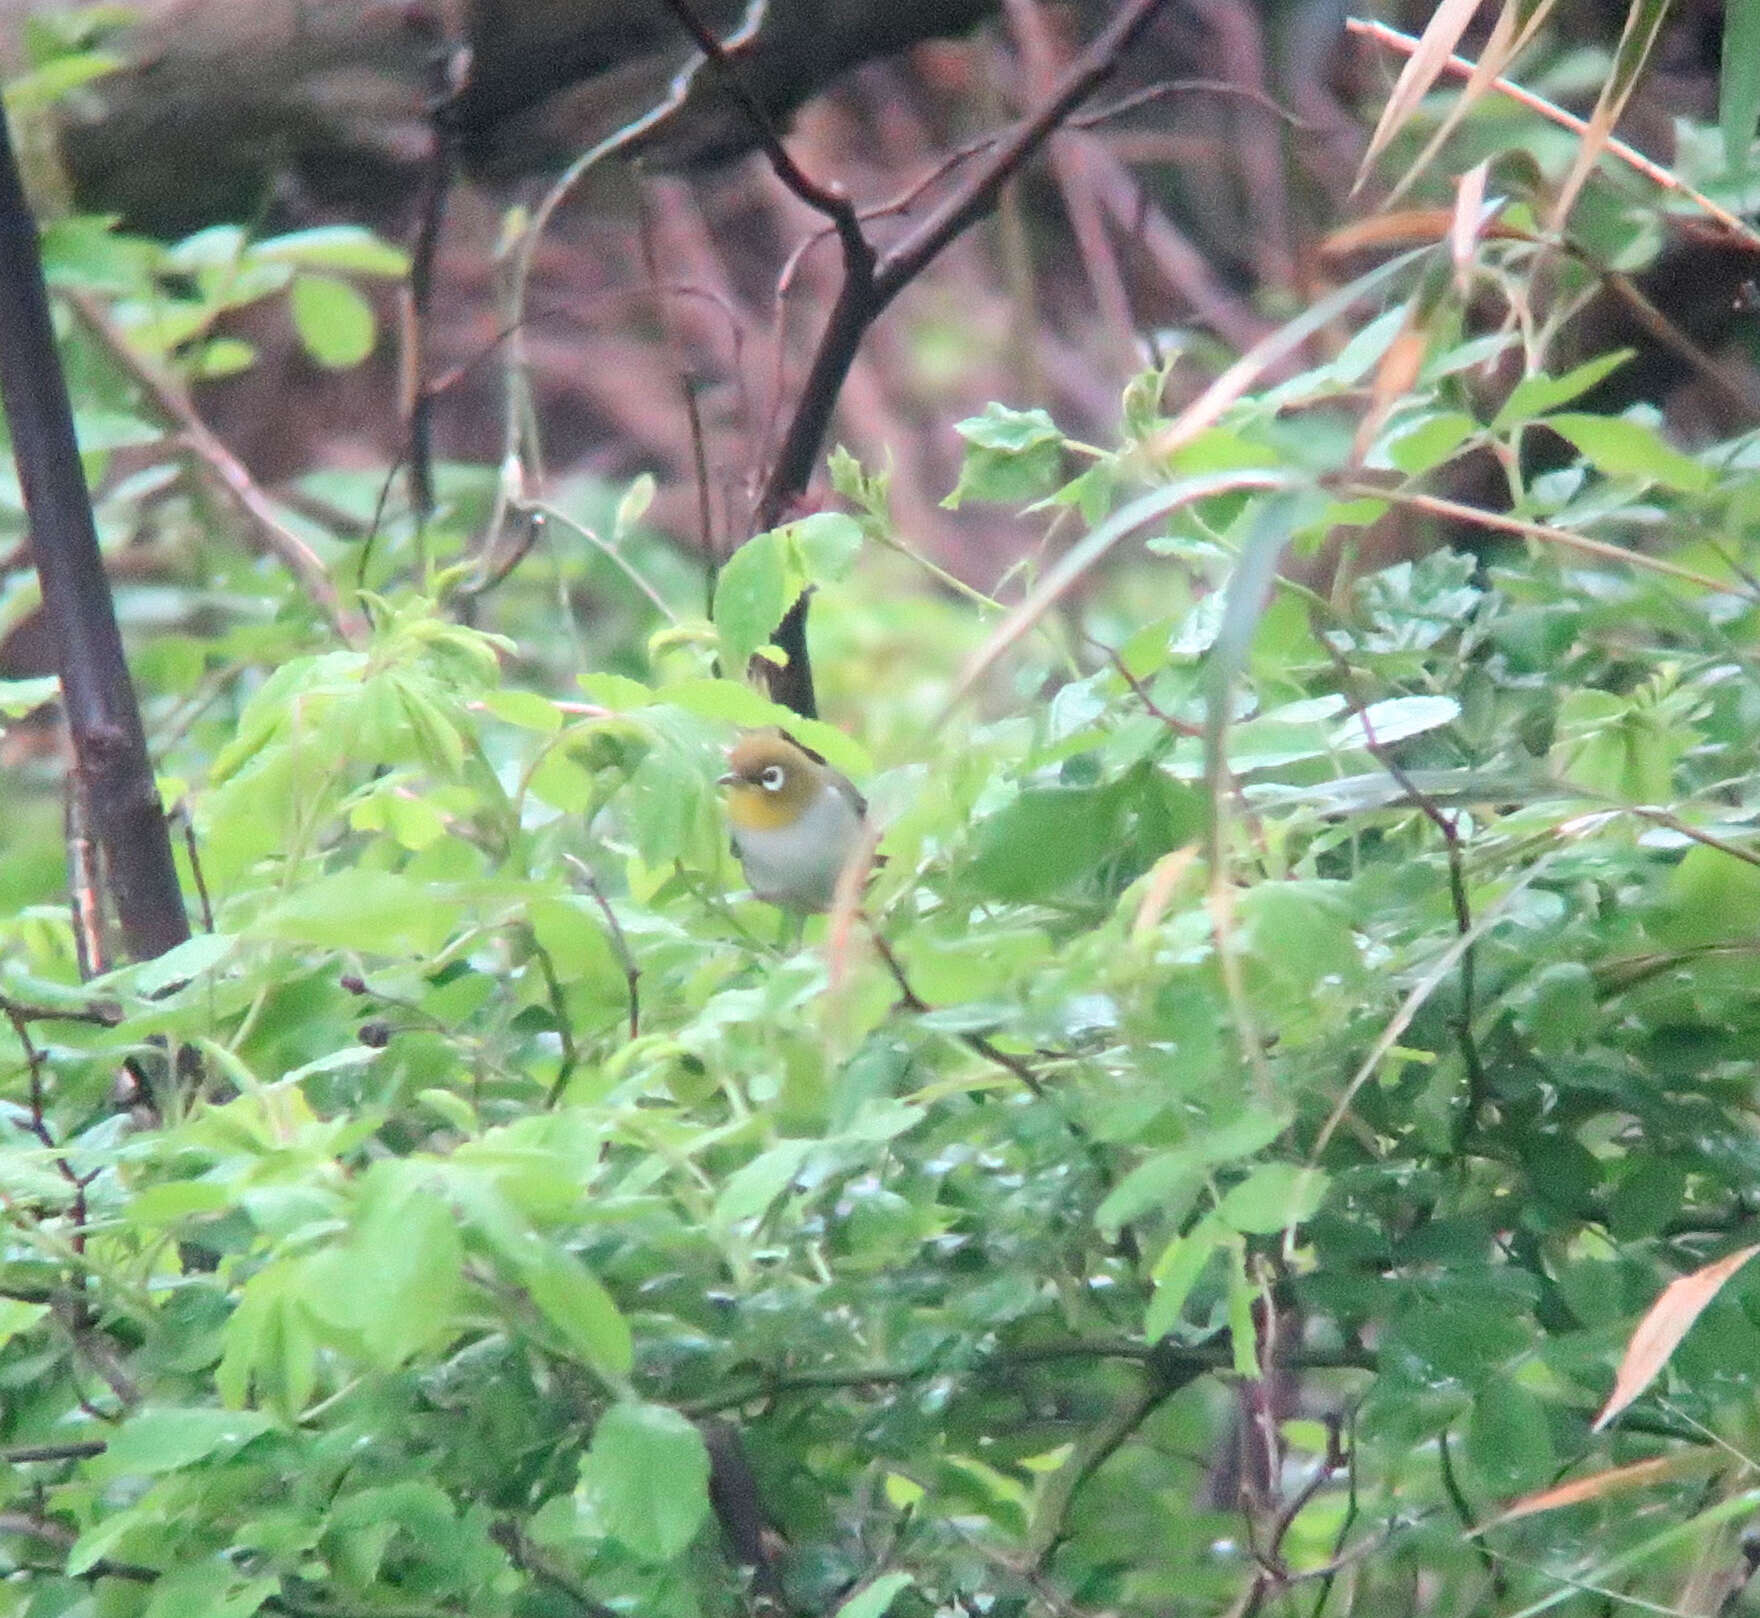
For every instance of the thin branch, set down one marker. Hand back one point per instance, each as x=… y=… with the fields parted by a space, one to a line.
x=449 y=76
x=1346 y=1522
x=1478 y=1084
x=1409 y=1006
x=187 y=827
x=871 y=283
x=264 y=527
x=112 y=771
x=85 y=889
x=1175 y=725
x=1022 y=1070
x=912 y=1001
x=833 y=204
x=21 y=1454
x=507 y=1533
x=564 y=1027
x=632 y=973
x=1502 y=522
x=1057 y=1494
x=101 y=1013
x=37 y=1124
x=1169 y=1361
x=1458 y=1500
x=1086 y=74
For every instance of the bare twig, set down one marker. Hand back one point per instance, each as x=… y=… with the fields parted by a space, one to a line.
x=181 y=816
x=1502 y=522
x=78 y=1450
x=1057 y=1493
x=1071 y=160
x=449 y=70
x=528 y=1558
x=36 y=1122
x=101 y=1014
x=632 y=973
x=222 y=469
x=1448 y=825
x=871 y=283
x=1177 y=726
x=1168 y=1360
x=833 y=204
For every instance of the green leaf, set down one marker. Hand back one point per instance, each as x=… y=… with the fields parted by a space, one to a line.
x=1712 y=896
x=335 y=323
x=618 y=692
x=223 y=357
x=1429 y=441
x=1177 y=1271
x=28 y=95
x=1738 y=91
x=1166 y=1181
x=159 y=1439
x=364 y=910
x=648 y=1473
x=1509 y=1439
x=526 y=709
x=1534 y=395
x=17 y=1317
x=399 y=1279
x=269 y=1343
x=634 y=504
x=1011 y=455
x=347 y=248
x=873 y=1600
x=211 y=1589
x=581 y=1309
x=1394 y=720
x=1272 y=1197
x=1621 y=448
x=750 y=599
x=560 y=1286
x=826 y=544
x=1299 y=934
x=760 y=1182
x=1043 y=841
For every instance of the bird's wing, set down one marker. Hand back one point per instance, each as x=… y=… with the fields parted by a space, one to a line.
x=841 y=781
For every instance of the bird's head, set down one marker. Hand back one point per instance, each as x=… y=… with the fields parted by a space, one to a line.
x=771 y=780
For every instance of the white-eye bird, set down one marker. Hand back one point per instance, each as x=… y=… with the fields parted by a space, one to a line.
x=795 y=820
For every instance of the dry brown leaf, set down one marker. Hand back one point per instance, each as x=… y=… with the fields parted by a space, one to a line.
x=1659 y=1469
x=1643 y=23
x=846 y=907
x=1467 y=227
x=1441 y=34
x=1394 y=378
x=1660 y=1331
x=1407 y=227
x=1158 y=890
x=1510 y=36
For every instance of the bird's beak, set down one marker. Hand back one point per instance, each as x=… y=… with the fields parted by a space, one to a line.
x=726 y=780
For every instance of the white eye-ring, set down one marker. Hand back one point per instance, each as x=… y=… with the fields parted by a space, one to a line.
x=771 y=778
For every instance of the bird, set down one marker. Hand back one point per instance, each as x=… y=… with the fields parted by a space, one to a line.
x=795 y=820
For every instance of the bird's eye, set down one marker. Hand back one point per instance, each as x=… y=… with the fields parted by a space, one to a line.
x=771 y=779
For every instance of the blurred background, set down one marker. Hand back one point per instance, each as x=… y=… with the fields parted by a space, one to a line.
x=1183 y=213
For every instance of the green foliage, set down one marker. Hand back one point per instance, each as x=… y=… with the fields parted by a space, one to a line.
x=1357 y=984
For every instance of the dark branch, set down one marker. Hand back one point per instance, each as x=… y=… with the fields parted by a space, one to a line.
x=112 y=770
x=870 y=283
